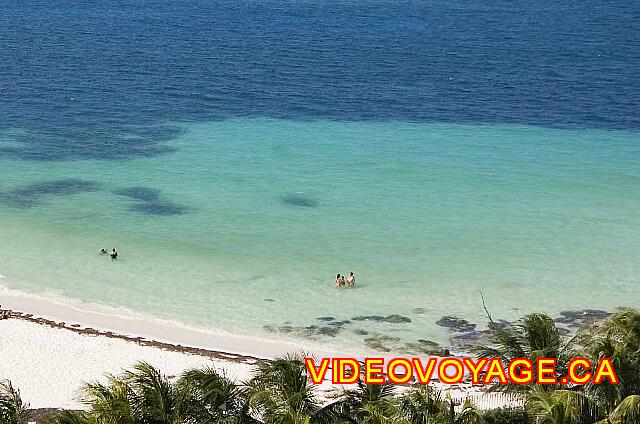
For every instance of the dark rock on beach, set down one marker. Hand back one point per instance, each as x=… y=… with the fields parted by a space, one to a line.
x=376 y=344
x=498 y=325
x=328 y=331
x=425 y=347
x=581 y=318
x=325 y=318
x=456 y=324
x=339 y=323
x=377 y=318
x=469 y=336
x=309 y=331
x=380 y=342
x=394 y=319
x=397 y=319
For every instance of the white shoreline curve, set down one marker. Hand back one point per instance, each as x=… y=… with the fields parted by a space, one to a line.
x=129 y=323
x=49 y=364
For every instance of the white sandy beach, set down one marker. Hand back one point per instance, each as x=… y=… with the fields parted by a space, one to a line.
x=48 y=365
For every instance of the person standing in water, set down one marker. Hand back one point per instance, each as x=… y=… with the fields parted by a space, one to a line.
x=338 y=284
x=114 y=254
x=352 y=279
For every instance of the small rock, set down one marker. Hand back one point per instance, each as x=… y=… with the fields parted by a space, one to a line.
x=376 y=344
x=456 y=324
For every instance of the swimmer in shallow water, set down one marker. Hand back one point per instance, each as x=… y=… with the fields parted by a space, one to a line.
x=114 y=254
x=352 y=279
x=103 y=251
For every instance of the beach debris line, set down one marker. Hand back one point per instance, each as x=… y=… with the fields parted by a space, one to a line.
x=4 y=314
x=89 y=331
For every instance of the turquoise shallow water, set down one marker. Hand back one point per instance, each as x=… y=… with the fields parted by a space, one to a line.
x=247 y=221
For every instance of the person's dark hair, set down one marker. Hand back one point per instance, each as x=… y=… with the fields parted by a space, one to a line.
x=338 y=276
x=351 y=273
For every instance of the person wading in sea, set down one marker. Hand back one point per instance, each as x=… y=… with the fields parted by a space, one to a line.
x=352 y=279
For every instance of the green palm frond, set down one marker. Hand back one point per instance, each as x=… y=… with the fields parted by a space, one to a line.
x=109 y=403
x=207 y=396
x=280 y=391
x=560 y=406
x=421 y=404
x=71 y=417
x=152 y=397
x=534 y=336
x=12 y=409
x=627 y=412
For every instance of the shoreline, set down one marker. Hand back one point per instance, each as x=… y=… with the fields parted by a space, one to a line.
x=48 y=343
x=51 y=344
x=96 y=319
x=141 y=341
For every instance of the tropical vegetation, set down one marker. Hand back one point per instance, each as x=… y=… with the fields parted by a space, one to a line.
x=281 y=392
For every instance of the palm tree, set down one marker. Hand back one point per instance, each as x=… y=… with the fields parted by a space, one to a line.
x=141 y=396
x=424 y=405
x=421 y=404
x=109 y=403
x=617 y=338
x=71 y=417
x=12 y=410
x=560 y=407
x=533 y=336
x=208 y=397
x=468 y=414
x=280 y=393
x=627 y=412
x=153 y=399
x=369 y=403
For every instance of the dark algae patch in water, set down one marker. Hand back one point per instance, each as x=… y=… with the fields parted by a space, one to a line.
x=149 y=201
x=299 y=200
x=143 y=194
x=35 y=194
x=159 y=208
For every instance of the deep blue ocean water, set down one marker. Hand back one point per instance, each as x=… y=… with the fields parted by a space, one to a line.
x=432 y=146
x=99 y=79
